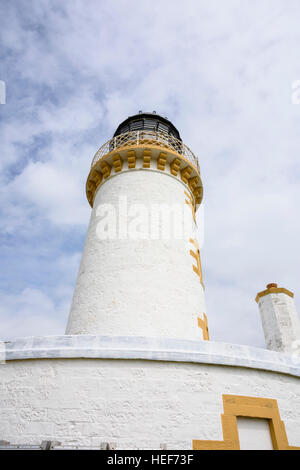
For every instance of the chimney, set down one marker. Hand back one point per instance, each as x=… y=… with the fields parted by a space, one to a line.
x=279 y=318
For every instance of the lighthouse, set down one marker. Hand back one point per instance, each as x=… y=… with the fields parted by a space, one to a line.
x=137 y=367
x=140 y=273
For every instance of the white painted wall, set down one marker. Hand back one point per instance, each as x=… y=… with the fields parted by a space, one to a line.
x=134 y=403
x=137 y=287
x=254 y=434
x=280 y=321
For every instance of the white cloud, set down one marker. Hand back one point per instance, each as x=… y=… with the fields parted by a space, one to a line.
x=30 y=313
x=55 y=191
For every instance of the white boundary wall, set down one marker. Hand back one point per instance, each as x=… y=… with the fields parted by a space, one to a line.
x=77 y=394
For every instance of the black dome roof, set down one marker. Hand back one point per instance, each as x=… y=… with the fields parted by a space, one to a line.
x=148 y=121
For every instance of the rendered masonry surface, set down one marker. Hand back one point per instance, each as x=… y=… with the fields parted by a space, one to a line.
x=146 y=285
x=279 y=317
x=151 y=284
x=136 y=368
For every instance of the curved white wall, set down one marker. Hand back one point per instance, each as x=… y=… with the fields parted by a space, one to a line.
x=138 y=286
x=133 y=403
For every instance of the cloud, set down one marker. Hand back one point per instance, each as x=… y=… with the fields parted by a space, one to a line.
x=221 y=73
x=54 y=191
x=40 y=310
x=31 y=313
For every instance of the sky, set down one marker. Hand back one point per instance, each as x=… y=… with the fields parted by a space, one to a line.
x=222 y=72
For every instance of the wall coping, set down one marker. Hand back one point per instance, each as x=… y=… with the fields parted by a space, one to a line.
x=273 y=290
x=146 y=348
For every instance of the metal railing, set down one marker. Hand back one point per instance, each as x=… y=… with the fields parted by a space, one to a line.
x=146 y=137
x=56 y=445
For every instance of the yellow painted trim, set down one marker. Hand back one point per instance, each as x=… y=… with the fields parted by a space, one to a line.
x=106 y=169
x=131 y=158
x=252 y=407
x=193 y=182
x=189 y=201
x=198 y=194
x=203 y=324
x=147 y=159
x=161 y=161
x=114 y=160
x=185 y=174
x=273 y=290
x=197 y=269
x=117 y=162
x=148 y=146
x=175 y=166
x=96 y=176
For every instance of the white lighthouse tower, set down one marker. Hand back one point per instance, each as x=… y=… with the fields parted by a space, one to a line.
x=140 y=273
